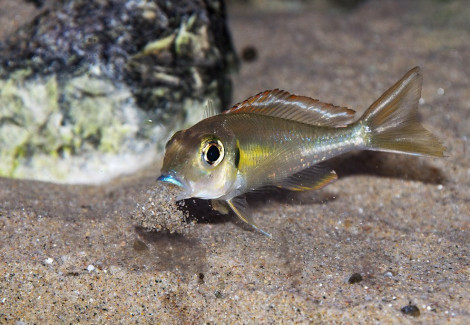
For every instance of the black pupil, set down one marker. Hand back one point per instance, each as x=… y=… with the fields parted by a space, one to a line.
x=213 y=154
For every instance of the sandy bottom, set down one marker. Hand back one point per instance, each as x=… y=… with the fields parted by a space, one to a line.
x=72 y=254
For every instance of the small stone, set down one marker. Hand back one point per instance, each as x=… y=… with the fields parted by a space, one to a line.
x=201 y=278
x=90 y=267
x=48 y=261
x=411 y=310
x=355 y=278
x=249 y=54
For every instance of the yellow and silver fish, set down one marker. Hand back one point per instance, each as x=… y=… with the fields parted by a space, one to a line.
x=282 y=140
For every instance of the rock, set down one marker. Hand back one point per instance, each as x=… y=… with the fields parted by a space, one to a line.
x=355 y=278
x=411 y=310
x=298 y=5
x=93 y=89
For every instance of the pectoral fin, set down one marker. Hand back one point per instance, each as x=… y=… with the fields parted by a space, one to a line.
x=220 y=206
x=239 y=207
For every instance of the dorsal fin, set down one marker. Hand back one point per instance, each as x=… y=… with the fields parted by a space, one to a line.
x=282 y=104
x=209 y=110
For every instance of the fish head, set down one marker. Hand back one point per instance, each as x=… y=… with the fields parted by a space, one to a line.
x=201 y=163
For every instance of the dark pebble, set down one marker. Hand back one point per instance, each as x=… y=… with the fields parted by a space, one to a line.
x=411 y=310
x=201 y=278
x=355 y=278
x=72 y=274
x=249 y=54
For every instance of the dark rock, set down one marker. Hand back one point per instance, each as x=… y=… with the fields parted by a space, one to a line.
x=249 y=54
x=92 y=89
x=355 y=278
x=411 y=310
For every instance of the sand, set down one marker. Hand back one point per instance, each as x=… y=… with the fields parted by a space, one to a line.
x=81 y=254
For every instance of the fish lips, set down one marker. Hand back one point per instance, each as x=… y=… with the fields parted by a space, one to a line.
x=172 y=179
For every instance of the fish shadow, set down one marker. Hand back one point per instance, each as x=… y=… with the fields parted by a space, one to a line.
x=201 y=211
x=387 y=165
x=265 y=196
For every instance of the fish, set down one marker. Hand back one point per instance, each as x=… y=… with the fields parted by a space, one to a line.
x=277 y=139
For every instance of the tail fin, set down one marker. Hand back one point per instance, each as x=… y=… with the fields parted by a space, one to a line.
x=392 y=121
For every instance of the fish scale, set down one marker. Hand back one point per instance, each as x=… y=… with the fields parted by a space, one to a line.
x=306 y=144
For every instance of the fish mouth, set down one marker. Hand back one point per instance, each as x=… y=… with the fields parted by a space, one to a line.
x=172 y=179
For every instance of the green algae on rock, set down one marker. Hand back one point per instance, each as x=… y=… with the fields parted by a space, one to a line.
x=91 y=90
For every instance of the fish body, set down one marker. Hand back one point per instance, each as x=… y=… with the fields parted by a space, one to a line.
x=269 y=149
x=282 y=140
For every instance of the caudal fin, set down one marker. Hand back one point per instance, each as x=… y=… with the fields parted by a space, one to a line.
x=391 y=122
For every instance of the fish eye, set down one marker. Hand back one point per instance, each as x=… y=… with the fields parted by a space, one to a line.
x=213 y=153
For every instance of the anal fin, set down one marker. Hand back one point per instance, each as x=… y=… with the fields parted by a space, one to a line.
x=312 y=178
x=239 y=207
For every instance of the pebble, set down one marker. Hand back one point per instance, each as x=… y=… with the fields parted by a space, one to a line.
x=249 y=54
x=411 y=310
x=355 y=278
x=90 y=267
x=48 y=261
